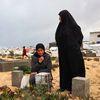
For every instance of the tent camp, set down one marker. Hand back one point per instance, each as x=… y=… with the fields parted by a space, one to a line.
x=54 y=51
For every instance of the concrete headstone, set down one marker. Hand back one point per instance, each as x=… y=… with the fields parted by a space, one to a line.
x=17 y=77
x=80 y=87
x=44 y=79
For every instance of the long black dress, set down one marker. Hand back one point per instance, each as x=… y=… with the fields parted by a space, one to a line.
x=69 y=39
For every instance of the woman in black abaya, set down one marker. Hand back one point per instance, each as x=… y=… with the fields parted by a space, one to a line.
x=69 y=39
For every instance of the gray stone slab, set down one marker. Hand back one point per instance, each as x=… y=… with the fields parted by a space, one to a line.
x=9 y=66
x=17 y=76
x=80 y=87
x=90 y=54
x=43 y=78
x=6 y=66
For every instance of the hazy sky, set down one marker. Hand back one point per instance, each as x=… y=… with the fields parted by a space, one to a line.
x=27 y=22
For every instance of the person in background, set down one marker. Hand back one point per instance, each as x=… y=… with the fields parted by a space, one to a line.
x=69 y=39
x=41 y=62
x=24 y=55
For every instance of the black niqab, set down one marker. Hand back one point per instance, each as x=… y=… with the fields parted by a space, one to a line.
x=68 y=31
x=67 y=18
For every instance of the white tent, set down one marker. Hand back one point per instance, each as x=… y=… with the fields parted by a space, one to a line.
x=54 y=51
x=96 y=47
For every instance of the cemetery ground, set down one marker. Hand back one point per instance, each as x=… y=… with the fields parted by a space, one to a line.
x=92 y=65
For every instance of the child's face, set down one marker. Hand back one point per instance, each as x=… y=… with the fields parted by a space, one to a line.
x=40 y=52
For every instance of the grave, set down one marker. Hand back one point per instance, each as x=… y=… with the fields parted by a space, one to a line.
x=17 y=76
x=80 y=87
x=9 y=65
x=43 y=78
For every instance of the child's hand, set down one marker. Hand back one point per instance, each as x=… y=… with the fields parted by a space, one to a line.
x=33 y=73
x=41 y=59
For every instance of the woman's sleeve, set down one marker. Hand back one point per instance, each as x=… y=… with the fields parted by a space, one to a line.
x=78 y=35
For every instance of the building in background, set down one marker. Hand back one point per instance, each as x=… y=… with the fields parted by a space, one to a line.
x=53 y=49
x=52 y=44
x=95 y=37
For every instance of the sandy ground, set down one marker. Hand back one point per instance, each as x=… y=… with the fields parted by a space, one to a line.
x=92 y=72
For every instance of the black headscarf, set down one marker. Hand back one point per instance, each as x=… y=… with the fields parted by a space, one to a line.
x=67 y=18
x=68 y=27
x=38 y=46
